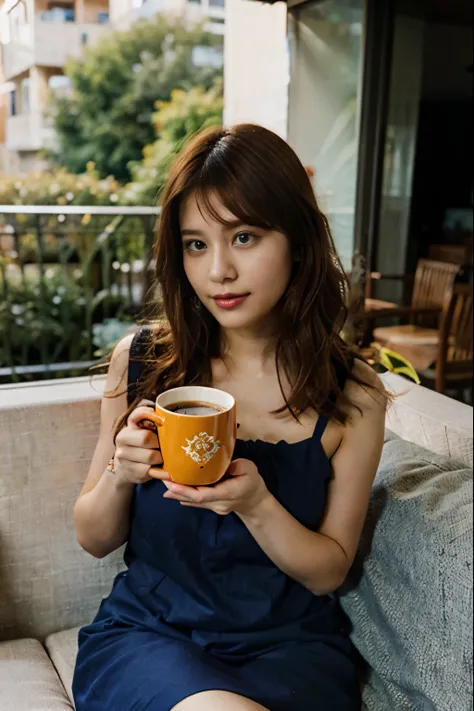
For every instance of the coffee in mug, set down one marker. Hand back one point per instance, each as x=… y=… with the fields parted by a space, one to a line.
x=195 y=408
x=197 y=428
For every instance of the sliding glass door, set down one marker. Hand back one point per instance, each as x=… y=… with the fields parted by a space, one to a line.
x=326 y=51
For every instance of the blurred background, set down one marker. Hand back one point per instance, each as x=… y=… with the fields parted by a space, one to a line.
x=97 y=96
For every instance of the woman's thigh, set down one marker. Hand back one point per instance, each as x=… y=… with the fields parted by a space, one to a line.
x=217 y=701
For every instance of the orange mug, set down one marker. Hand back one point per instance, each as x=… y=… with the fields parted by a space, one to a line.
x=197 y=428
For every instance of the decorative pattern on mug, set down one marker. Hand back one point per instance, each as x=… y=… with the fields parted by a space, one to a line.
x=202 y=448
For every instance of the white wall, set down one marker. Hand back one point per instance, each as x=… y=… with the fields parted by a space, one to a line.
x=9 y=162
x=118 y=9
x=256 y=65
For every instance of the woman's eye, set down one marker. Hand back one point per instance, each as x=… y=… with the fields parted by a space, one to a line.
x=244 y=238
x=194 y=245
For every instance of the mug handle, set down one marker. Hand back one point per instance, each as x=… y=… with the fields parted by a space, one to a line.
x=157 y=420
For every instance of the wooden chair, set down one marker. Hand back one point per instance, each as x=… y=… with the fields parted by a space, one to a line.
x=431 y=282
x=450 y=364
x=455 y=360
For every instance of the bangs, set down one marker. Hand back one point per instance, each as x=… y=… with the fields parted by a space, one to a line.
x=245 y=199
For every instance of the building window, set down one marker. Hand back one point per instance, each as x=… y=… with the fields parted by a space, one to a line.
x=216 y=3
x=13 y=103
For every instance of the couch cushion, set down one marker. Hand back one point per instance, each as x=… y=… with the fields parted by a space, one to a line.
x=409 y=594
x=47 y=582
x=28 y=681
x=62 y=648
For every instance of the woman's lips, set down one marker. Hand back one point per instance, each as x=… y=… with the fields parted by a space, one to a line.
x=230 y=301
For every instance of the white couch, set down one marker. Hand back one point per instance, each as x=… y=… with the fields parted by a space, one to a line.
x=48 y=585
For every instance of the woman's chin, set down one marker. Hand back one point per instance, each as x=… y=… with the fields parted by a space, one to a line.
x=240 y=322
x=233 y=318
x=230 y=320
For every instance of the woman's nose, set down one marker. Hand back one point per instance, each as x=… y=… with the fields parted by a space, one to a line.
x=222 y=266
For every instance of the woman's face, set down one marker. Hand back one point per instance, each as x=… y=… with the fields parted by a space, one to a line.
x=238 y=272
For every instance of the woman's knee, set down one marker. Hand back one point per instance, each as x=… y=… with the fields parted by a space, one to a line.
x=217 y=701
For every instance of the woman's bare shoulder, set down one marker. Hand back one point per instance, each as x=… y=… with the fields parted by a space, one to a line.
x=366 y=391
x=117 y=374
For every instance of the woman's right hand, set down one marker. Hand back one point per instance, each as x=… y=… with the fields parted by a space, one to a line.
x=137 y=457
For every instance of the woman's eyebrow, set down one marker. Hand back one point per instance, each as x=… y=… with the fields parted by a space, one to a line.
x=234 y=224
x=227 y=225
x=192 y=232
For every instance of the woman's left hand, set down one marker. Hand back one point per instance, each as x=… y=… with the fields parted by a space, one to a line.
x=241 y=494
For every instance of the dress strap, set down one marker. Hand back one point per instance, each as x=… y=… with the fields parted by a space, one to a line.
x=137 y=361
x=321 y=425
x=341 y=375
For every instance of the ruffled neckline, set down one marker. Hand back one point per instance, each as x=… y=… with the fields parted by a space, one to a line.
x=274 y=444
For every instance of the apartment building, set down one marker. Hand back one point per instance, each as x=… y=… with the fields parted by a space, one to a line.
x=123 y=13
x=37 y=37
x=4 y=156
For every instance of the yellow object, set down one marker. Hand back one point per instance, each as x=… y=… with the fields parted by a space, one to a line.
x=196 y=449
x=396 y=363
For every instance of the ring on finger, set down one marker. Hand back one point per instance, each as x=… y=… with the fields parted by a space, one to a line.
x=111 y=466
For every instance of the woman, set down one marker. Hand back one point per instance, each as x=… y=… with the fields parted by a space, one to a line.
x=227 y=603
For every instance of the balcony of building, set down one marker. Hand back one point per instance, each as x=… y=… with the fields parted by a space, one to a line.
x=55 y=33
x=29 y=132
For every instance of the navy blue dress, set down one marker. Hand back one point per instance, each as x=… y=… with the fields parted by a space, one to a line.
x=201 y=606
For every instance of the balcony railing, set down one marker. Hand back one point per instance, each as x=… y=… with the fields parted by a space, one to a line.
x=72 y=280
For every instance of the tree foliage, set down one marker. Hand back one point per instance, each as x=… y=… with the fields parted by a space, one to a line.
x=107 y=117
x=175 y=121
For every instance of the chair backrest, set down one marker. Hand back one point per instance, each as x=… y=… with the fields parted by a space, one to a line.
x=455 y=360
x=433 y=280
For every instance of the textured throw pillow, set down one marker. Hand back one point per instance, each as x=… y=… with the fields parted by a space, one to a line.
x=409 y=594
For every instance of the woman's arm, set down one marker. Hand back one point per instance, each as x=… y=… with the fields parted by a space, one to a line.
x=101 y=513
x=321 y=561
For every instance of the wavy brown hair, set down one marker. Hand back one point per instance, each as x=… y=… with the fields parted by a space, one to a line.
x=260 y=180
